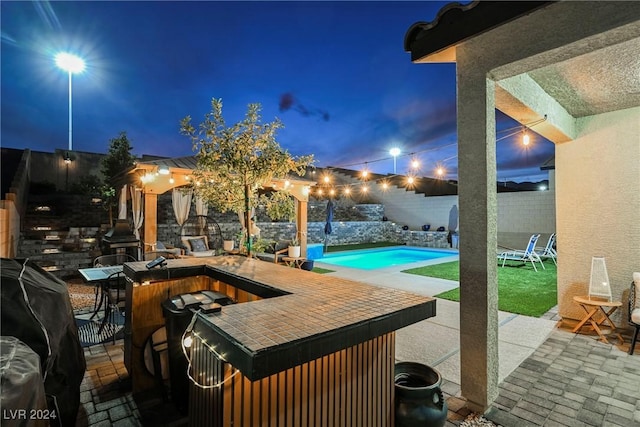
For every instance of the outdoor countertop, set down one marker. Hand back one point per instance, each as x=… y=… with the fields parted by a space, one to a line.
x=303 y=315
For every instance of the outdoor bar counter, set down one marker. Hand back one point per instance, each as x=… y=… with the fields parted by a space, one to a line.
x=298 y=348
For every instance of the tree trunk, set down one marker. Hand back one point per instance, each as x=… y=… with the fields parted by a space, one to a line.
x=247 y=218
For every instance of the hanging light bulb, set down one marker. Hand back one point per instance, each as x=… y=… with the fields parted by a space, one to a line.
x=525 y=138
x=440 y=171
x=326 y=179
x=332 y=192
x=171 y=180
x=347 y=191
x=410 y=180
x=415 y=163
x=385 y=185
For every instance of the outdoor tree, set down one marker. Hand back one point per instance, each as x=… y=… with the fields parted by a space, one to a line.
x=234 y=162
x=117 y=160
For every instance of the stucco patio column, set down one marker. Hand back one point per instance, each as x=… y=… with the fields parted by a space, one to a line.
x=478 y=219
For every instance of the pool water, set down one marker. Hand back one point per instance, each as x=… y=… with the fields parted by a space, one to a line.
x=380 y=258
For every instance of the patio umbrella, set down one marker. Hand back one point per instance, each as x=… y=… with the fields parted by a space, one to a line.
x=327 y=225
x=453 y=223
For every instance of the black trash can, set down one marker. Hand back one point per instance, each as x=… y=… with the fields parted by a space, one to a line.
x=178 y=312
x=418 y=398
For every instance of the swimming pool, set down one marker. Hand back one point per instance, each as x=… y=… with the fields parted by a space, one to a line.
x=372 y=259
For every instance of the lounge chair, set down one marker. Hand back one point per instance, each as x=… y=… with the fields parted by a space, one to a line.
x=528 y=255
x=275 y=252
x=548 y=252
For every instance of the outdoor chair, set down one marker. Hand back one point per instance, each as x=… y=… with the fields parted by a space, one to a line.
x=527 y=255
x=107 y=261
x=114 y=290
x=169 y=249
x=548 y=252
x=634 y=309
x=200 y=236
x=275 y=252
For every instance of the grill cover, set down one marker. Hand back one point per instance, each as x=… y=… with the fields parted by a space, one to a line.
x=36 y=309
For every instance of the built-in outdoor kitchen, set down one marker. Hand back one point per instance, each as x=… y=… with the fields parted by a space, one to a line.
x=297 y=347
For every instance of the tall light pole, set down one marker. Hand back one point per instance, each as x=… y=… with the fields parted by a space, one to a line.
x=395 y=151
x=72 y=64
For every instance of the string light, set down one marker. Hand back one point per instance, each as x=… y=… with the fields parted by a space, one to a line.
x=439 y=171
x=415 y=164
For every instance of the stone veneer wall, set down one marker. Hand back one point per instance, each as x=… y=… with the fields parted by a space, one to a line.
x=368 y=228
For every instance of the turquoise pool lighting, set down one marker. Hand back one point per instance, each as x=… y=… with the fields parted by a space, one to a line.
x=380 y=258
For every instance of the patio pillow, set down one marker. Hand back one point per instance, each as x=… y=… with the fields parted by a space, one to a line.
x=187 y=244
x=198 y=245
x=636 y=280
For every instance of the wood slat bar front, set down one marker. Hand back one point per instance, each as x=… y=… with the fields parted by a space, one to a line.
x=351 y=387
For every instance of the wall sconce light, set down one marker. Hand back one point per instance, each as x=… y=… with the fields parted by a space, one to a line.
x=68 y=157
x=163 y=170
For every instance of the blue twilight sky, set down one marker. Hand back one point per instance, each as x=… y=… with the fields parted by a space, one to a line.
x=335 y=74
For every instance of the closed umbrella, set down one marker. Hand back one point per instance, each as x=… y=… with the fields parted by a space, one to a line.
x=327 y=226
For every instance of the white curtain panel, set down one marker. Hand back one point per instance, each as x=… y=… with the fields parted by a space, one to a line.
x=122 y=203
x=136 y=206
x=201 y=206
x=181 y=205
x=241 y=216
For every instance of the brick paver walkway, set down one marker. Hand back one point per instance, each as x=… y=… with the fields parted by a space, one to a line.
x=570 y=380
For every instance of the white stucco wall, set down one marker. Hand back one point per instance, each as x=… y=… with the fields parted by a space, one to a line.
x=598 y=205
x=524 y=213
x=520 y=214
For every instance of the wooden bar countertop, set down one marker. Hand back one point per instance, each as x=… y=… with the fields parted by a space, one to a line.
x=303 y=315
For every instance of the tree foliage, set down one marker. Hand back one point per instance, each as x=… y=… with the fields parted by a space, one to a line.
x=117 y=160
x=234 y=162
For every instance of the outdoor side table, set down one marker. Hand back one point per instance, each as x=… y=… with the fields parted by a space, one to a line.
x=597 y=311
x=294 y=261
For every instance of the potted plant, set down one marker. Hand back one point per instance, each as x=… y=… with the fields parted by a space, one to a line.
x=228 y=245
x=294 y=248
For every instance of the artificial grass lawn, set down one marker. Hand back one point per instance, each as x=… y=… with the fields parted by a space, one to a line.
x=521 y=290
x=322 y=270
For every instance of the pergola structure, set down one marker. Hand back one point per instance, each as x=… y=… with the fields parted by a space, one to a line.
x=156 y=177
